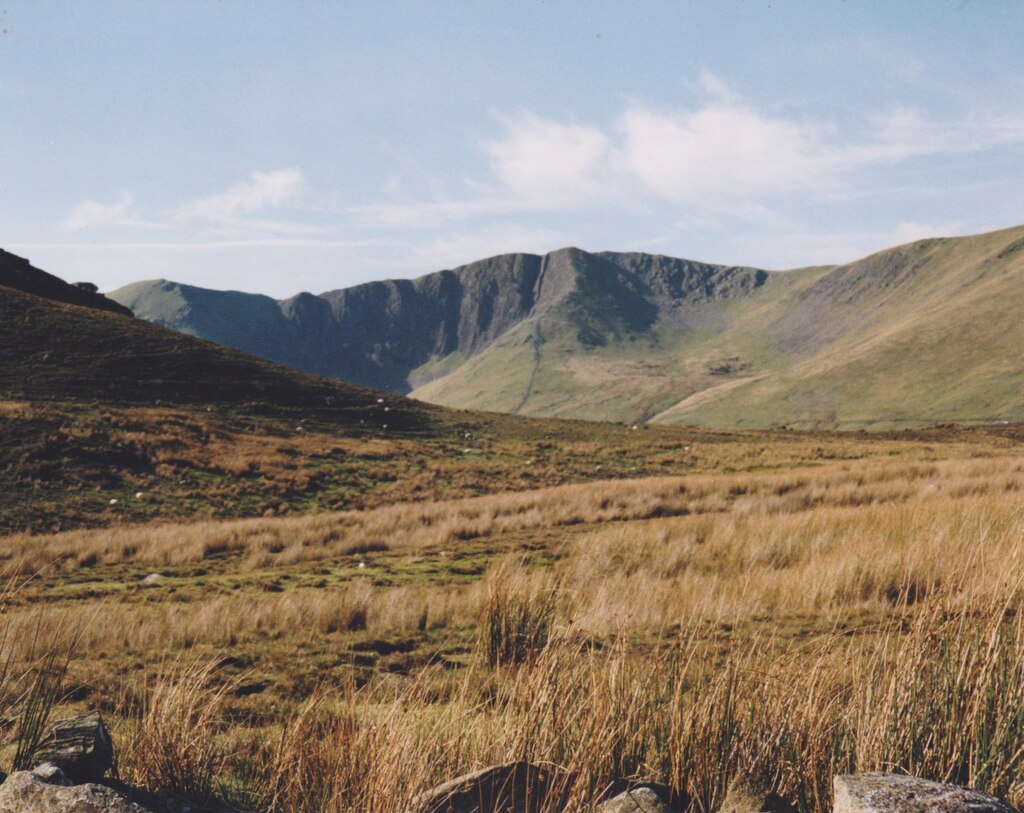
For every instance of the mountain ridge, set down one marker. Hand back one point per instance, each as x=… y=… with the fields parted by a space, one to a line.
x=379 y=333
x=906 y=335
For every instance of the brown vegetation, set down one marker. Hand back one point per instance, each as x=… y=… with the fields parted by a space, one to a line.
x=837 y=615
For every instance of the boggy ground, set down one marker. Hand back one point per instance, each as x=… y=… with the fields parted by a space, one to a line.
x=659 y=603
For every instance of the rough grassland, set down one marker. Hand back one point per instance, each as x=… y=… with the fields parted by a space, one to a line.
x=790 y=605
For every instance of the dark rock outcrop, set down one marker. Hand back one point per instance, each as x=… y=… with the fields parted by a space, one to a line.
x=79 y=746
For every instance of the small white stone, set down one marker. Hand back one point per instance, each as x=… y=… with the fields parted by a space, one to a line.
x=113 y=501
x=140 y=494
x=362 y=565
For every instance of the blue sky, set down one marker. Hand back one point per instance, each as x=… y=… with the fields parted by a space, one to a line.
x=279 y=147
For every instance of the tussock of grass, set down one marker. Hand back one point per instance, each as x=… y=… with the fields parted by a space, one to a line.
x=517 y=619
x=170 y=744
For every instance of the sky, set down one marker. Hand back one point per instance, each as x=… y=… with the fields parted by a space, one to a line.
x=278 y=147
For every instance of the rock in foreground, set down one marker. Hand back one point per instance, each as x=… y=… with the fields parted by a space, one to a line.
x=80 y=747
x=893 y=793
x=47 y=790
x=748 y=795
x=638 y=800
x=516 y=787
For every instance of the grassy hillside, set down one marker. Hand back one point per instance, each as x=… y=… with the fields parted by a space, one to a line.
x=594 y=358
x=55 y=351
x=924 y=332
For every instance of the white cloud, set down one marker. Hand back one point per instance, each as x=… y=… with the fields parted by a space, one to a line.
x=721 y=156
x=263 y=190
x=716 y=87
x=537 y=165
x=90 y=213
x=548 y=162
x=720 y=151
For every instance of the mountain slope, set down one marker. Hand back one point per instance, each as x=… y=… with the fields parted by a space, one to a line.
x=66 y=352
x=427 y=335
x=930 y=331
x=18 y=273
x=922 y=332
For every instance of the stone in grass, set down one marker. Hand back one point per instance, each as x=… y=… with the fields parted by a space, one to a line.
x=746 y=794
x=515 y=787
x=894 y=793
x=640 y=799
x=47 y=790
x=79 y=746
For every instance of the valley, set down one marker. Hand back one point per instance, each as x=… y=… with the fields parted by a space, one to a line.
x=290 y=593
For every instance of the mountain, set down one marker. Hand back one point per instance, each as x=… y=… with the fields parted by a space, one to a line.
x=403 y=335
x=62 y=342
x=919 y=333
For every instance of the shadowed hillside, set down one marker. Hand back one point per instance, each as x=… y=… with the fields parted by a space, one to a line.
x=64 y=352
x=18 y=273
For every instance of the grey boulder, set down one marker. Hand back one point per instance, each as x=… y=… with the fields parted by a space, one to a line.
x=746 y=794
x=47 y=790
x=79 y=746
x=894 y=793
x=637 y=800
x=515 y=787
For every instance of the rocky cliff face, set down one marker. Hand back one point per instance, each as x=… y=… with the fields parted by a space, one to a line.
x=377 y=334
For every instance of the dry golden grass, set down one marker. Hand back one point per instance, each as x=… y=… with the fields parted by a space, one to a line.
x=791 y=623
x=421 y=526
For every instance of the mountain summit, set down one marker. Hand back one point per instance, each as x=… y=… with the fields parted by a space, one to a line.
x=929 y=331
